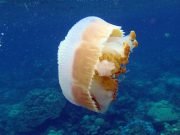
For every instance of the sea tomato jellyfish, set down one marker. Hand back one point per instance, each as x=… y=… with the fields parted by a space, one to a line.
x=90 y=58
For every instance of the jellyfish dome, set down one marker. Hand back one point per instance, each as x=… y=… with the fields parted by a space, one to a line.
x=90 y=59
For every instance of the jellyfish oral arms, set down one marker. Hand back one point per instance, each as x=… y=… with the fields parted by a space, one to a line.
x=90 y=59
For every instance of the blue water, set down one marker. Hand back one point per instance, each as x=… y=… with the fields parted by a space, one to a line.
x=31 y=102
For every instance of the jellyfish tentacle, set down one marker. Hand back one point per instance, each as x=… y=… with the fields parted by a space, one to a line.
x=113 y=53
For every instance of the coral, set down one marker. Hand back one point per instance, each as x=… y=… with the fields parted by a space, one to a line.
x=158 y=91
x=38 y=106
x=91 y=125
x=173 y=129
x=112 y=132
x=162 y=111
x=138 y=127
x=14 y=110
x=54 y=132
x=99 y=121
x=171 y=80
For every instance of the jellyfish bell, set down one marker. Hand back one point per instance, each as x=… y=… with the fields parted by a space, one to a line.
x=90 y=58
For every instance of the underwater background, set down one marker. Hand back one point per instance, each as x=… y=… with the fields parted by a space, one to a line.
x=31 y=102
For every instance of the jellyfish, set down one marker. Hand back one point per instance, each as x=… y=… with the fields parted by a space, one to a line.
x=90 y=59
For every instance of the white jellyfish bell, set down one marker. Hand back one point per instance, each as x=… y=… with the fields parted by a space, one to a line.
x=90 y=58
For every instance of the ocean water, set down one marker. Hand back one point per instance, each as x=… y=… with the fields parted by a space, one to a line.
x=31 y=101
